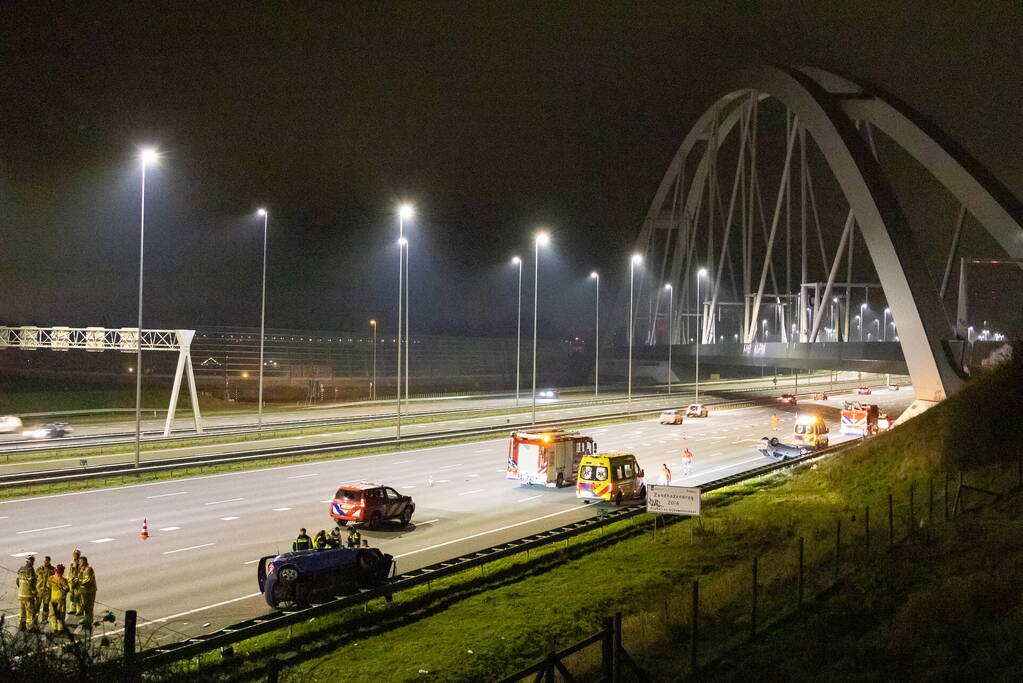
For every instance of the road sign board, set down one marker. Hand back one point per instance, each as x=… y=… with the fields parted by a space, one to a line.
x=673 y=500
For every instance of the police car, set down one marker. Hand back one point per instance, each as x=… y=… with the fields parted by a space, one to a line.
x=370 y=504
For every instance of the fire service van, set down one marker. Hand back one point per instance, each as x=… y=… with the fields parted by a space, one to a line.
x=548 y=458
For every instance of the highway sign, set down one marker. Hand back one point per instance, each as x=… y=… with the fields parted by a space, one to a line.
x=673 y=500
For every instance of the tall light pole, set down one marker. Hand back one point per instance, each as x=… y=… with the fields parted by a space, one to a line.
x=541 y=239
x=636 y=259
x=373 y=391
x=878 y=323
x=518 y=332
x=147 y=156
x=262 y=321
x=863 y=309
x=405 y=212
x=887 y=312
x=700 y=274
x=671 y=305
x=596 y=338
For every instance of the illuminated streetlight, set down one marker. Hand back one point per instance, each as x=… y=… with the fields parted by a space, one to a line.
x=887 y=312
x=542 y=239
x=262 y=320
x=373 y=390
x=671 y=300
x=147 y=157
x=596 y=338
x=700 y=274
x=404 y=213
x=518 y=332
x=636 y=260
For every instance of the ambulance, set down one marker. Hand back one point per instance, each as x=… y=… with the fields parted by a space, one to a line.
x=549 y=458
x=811 y=431
x=610 y=476
x=863 y=419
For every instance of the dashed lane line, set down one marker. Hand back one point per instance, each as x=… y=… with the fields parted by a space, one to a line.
x=167 y=495
x=218 y=502
x=191 y=547
x=466 y=493
x=45 y=528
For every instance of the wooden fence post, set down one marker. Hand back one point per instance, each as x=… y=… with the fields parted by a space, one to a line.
x=616 y=649
x=607 y=648
x=799 y=598
x=753 y=608
x=695 y=623
x=273 y=668
x=130 y=623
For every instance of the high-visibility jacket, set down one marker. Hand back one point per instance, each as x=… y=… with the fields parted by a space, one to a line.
x=87 y=581
x=302 y=542
x=58 y=588
x=43 y=579
x=320 y=541
x=26 y=583
x=354 y=539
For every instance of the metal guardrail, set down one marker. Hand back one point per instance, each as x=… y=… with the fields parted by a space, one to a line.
x=166 y=654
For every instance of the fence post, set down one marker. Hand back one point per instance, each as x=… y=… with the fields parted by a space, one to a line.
x=753 y=608
x=548 y=670
x=695 y=626
x=891 y=522
x=607 y=648
x=838 y=548
x=130 y=622
x=616 y=649
x=799 y=593
x=273 y=668
x=866 y=527
x=912 y=511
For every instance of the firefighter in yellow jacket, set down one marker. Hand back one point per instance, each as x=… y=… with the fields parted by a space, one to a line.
x=43 y=573
x=74 y=605
x=86 y=579
x=27 y=595
x=58 y=596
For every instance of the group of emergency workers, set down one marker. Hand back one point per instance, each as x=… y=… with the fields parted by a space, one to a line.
x=48 y=592
x=323 y=540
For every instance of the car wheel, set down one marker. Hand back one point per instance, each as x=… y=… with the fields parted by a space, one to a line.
x=642 y=492
x=560 y=482
x=374 y=520
x=289 y=575
x=406 y=516
x=618 y=498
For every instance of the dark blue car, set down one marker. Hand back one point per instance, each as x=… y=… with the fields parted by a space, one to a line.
x=306 y=576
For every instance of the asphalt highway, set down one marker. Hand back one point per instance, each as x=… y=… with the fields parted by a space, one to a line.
x=197 y=571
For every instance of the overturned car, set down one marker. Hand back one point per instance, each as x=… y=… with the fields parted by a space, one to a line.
x=307 y=576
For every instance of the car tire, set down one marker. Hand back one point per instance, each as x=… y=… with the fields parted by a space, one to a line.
x=367 y=563
x=406 y=516
x=642 y=492
x=618 y=498
x=774 y=441
x=560 y=481
x=288 y=575
x=374 y=520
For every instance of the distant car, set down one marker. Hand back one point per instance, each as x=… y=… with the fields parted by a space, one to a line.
x=820 y=396
x=370 y=504
x=696 y=410
x=50 y=430
x=893 y=387
x=671 y=417
x=864 y=391
x=10 y=424
x=306 y=576
x=548 y=393
x=789 y=399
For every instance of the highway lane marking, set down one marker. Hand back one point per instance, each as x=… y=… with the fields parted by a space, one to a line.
x=251 y=562
x=725 y=467
x=281 y=509
x=227 y=519
x=429 y=521
x=523 y=500
x=191 y=547
x=25 y=554
x=303 y=476
x=474 y=475
x=170 y=528
x=410 y=486
x=229 y=500
x=443 y=481
x=102 y=540
x=464 y=493
x=45 y=528
x=448 y=467
x=165 y=495
x=491 y=531
x=183 y=614
x=404 y=462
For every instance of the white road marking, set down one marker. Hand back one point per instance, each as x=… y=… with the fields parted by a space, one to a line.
x=251 y=562
x=523 y=500
x=170 y=528
x=500 y=471
x=281 y=509
x=102 y=540
x=303 y=476
x=429 y=521
x=218 y=502
x=403 y=462
x=474 y=475
x=466 y=493
x=165 y=495
x=491 y=531
x=448 y=467
x=191 y=547
x=412 y=486
x=25 y=554
x=443 y=481
x=45 y=528
x=326 y=501
x=227 y=519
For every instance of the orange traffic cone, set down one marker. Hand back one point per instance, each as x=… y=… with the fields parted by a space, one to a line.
x=429 y=480
x=144 y=534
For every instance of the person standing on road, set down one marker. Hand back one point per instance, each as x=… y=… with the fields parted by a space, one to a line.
x=86 y=592
x=302 y=541
x=74 y=602
x=665 y=475
x=58 y=597
x=354 y=538
x=43 y=574
x=687 y=462
x=26 y=581
x=775 y=422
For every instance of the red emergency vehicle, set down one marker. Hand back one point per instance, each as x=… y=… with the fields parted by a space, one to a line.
x=548 y=458
x=863 y=419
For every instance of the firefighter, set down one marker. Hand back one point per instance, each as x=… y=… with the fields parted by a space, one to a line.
x=43 y=573
x=334 y=538
x=86 y=591
x=354 y=538
x=26 y=581
x=320 y=540
x=58 y=597
x=687 y=462
x=74 y=605
x=302 y=541
x=365 y=543
x=775 y=422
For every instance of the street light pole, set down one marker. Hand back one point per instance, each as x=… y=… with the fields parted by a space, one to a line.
x=887 y=312
x=373 y=392
x=542 y=238
x=700 y=274
x=671 y=303
x=404 y=211
x=518 y=332
x=636 y=258
x=147 y=156
x=596 y=338
x=262 y=321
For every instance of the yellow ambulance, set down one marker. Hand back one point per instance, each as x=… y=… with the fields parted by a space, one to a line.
x=610 y=476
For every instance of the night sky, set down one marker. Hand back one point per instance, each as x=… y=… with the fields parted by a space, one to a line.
x=492 y=118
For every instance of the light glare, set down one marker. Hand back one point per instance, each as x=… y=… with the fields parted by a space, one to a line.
x=702 y=272
x=637 y=258
x=594 y=275
x=543 y=238
x=261 y=212
x=148 y=155
x=405 y=211
x=516 y=260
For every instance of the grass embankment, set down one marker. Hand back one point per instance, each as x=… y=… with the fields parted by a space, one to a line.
x=475 y=628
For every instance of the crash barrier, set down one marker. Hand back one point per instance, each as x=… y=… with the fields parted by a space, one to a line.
x=613 y=658
x=85 y=471
x=172 y=652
